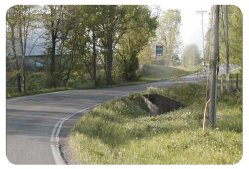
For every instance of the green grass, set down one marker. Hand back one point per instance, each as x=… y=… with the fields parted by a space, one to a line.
x=122 y=132
x=161 y=72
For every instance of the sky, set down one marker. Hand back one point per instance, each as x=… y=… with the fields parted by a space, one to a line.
x=191 y=29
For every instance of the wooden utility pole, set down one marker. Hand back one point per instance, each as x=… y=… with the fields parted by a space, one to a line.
x=205 y=60
x=202 y=28
x=215 y=54
x=227 y=49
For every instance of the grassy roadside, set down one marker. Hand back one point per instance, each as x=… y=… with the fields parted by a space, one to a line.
x=161 y=72
x=156 y=73
x=121 y=131
x=36 y=80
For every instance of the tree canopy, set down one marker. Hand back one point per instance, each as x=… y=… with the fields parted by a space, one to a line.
x=169 y=31
x=88 y=42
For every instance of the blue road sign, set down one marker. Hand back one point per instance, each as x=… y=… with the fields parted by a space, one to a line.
x=159 y=50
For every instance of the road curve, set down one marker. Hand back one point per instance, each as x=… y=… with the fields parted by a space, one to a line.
x=31 y=121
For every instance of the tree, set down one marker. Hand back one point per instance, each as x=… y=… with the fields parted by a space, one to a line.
x=81 y=41
x=93 y=19
x=24 y=13
x=19 y=20
x=217 y=48
x=75 y=40
x=12 y=23
x=84 y=37
x=231 y=38
x=113 y=27
x=141 y=27
x=234 y=18
x=227 y=48
x=145 y=56
x=52 y=22
x=169 y=31
x=191 y=56
x=235 y=35
x=215 y=55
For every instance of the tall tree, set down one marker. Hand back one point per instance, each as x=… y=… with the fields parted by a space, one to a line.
x=230 y=38
x=93 y=18
x=12 y=23
x=52 y=21
x=113 y=27
x=25 y=19
x=227 y=47
x=19 y=19
x=65 y=60
x=235 y=37
x=141 y=27
x=215 y=55
x=169 y=31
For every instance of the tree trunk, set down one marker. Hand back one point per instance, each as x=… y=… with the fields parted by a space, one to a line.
x=18 y=76
x=24 y=75
x=237 y=81
x=94 y=59
x=109 y=60
x=52 y=66
x=55 y=23
x=215 y=54
x=227 y=50
x=22 y=43
x=221 y=86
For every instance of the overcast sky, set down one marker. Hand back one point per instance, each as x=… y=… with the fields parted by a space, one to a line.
x=191 y=29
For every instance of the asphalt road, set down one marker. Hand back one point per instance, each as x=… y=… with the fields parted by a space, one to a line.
x=31 y=120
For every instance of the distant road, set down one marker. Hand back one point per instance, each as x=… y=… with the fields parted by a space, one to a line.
x=32 y=121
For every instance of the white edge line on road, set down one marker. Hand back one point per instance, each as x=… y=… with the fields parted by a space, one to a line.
x=55 y=139
x=34 y=95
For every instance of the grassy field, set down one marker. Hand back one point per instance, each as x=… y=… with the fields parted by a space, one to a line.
x=122 y=132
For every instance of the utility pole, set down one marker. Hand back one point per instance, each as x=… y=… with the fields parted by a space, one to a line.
x=202 y=27
x=215 y=55
x=204 y=60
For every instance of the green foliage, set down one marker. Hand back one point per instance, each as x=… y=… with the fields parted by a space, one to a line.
x=169 y=31
x=235 y=37
x=86 y=39
x=11 y=80
x=122 y=132
x=141 y=27
x=145 y=56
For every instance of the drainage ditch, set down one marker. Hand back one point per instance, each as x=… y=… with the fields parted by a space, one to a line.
x=158 y=104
